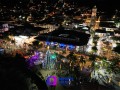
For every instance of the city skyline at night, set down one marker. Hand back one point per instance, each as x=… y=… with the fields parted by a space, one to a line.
x=59 y=45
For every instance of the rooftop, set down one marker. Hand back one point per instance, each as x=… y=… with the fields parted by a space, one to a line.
x=66 y=36
x=107 y=24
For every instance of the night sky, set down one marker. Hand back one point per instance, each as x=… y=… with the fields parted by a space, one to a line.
x=101 y=4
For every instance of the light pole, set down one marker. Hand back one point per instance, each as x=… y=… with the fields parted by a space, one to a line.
x=60 y=67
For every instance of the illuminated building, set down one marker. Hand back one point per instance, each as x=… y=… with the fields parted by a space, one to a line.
x=29 y=18
x=93 y=17
x=67 y=39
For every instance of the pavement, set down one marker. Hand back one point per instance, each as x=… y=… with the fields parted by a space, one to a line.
x=45 y=74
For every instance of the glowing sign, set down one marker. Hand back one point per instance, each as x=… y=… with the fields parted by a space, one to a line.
x=51 y=81
x=65 y=81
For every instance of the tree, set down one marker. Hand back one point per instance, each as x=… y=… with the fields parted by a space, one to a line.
x=14 y=74
x=94 y=48
x=13 y=41
x=7 y=38
x=114 y=66
x=82 y=61
x=35 y=43
x=117 y=49
x=110 y=70
x=10 y=76
x=72 y=59
x=71 y=56
x=116 y=38
x=92 y=58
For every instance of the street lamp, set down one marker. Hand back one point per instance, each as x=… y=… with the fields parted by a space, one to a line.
x=70 y=64
x=60 y=66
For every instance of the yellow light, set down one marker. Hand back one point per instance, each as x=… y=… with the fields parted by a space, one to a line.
x=48 y=47
x=91 y=75
x=109 y=79
x=60 y=66
x=119 y=83
x=70 y=64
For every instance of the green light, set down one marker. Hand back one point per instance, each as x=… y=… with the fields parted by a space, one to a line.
x=53 y=56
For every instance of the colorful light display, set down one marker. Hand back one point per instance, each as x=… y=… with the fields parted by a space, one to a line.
x=33 y=59
x=53 y=56
x=51 y=80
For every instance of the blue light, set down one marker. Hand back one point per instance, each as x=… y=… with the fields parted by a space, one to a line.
x=53 y=43
x=71 y=47
x=47 y=43
x=64 y=81
x=61 y=45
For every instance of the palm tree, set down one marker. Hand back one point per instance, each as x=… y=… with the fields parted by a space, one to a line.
x=82 y=61
x=59 y=56
x=94 y=49
x=72 y=57
x=114 y=66
x=92 y=58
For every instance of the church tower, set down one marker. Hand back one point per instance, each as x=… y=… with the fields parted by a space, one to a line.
x=93 y=17
x=115 y=15
x=94 y=11
x=97 y=23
